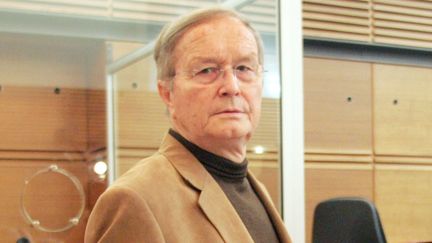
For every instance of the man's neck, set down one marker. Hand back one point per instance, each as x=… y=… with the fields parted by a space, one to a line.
x=233 y=149
x=226 y=148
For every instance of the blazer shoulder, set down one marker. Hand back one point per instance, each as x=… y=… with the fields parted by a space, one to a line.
x=119 y=216
x=154 y=176
x=144 y=170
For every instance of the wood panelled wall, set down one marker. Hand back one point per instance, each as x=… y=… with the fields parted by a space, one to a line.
x=400 y=22
x=52 y=111
x=336 y=19
x=368 y=133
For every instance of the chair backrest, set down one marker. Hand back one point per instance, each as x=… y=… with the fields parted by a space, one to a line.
x=23 y=240
x=347 y=220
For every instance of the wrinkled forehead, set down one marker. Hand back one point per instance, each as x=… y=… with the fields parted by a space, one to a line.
x=218 y=39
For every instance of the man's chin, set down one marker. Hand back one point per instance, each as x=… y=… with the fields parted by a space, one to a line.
x=232 y=133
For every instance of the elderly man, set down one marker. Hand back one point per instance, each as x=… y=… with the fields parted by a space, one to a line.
x=197 y=188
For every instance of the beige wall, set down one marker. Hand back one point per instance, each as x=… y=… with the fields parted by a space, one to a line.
x=376 y=145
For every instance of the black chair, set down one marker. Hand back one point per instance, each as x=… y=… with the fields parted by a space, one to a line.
x=347 y=220
x=23 y=240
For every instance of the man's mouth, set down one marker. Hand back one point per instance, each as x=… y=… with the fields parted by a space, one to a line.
x=230 y=111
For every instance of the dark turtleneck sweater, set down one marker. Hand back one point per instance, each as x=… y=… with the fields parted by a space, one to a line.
x=231 y=177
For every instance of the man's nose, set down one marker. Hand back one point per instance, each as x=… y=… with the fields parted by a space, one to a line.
x=230 y=84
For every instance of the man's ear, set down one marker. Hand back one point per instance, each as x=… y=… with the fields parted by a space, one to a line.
x=164 y=92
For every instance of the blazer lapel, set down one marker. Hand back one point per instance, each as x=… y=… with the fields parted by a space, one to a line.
x=212 y=200
x=222 y=214
x=271 y=209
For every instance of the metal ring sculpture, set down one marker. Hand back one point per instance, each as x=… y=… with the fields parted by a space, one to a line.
x=72 y=221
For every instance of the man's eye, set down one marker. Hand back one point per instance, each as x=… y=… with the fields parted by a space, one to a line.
x=208 y=70
x=243 y=68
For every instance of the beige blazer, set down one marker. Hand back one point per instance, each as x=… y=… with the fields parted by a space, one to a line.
x=170 y=197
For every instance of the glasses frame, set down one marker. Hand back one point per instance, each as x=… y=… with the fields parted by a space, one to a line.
x=192 y=74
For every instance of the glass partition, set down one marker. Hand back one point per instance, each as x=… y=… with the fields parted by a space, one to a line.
x=52 y=132
x=70 y=104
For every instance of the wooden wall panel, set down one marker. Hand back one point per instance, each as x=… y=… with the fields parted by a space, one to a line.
x=38 y=119
x=96 y=99
x=337 y=19
x=129 y=156
x=62 y=203
x=403 y=195
x=34 y=117
x=403 y=111
x=267 y=133
x=141 y=115
x=403 y=22
x=96 y=120
x=328 y=180
x=125 y=163
x=140 y=76
x=398 y=166
x=141 y=119
x=338 y=117
x=394 y=22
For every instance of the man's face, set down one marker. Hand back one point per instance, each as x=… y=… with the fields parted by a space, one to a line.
x=206 y=103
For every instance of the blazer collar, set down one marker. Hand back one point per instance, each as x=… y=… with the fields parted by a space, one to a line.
x=212 y=200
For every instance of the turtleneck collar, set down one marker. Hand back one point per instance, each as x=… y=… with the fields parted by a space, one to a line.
x=215 y=164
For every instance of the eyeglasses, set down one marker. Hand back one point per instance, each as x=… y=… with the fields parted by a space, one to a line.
x=245 y=73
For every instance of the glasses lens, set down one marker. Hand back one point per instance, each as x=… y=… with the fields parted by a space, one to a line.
x=246 y=72
x=206 y=75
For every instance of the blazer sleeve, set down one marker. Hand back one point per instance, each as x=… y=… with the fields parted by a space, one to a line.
x=121 y=215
